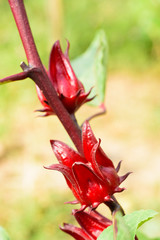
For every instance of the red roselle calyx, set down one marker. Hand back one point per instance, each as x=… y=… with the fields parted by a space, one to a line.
x=92 y=224
x=93 y=178
x=69 y=89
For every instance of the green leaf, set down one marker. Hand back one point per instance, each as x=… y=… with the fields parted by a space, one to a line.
x=91 y=68
x=137 y=218
x=3 y=234
x=141 y=236
x=123 y=230
x=128 y=225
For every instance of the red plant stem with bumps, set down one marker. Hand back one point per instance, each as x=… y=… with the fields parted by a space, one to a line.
x=37 y=72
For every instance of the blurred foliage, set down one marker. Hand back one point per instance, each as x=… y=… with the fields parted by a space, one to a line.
x=3 y=234
x=132 y=28
x=36 y=218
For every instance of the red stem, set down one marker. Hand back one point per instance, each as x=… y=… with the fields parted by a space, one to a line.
x=20 y=16
x=39 y=74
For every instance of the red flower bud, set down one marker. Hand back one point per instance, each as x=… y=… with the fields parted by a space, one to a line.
x=69 y=89
x=92 y=224
x=93 y=178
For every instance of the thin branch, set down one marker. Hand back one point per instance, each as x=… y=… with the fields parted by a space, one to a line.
x=114 y=225
x=101 y=112
x=15 y=77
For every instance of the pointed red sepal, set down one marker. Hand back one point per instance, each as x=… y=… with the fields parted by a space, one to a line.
x=118 y=166
x=118 y=190
x=101 y=158
x=77 y=233
x=66 y=171
x=82 y=208
x=91 y=98
x=89 y=141
x=93 y=224
x=65 y=154
x=73 y=103
x=70 y=179
x=61 y=72
x=15 y=77
x=46 y=112
x=104 y=221
x=88 y=138
x=91 y=189
x=122 y=178
x=47 y=109
x=94 y=163
x=72 y=202
x=99 y=161
x=111 y=177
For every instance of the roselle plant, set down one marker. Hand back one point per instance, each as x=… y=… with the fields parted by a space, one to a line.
x=89 y=173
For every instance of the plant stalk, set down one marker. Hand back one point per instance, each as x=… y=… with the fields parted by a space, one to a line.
x=39 y=75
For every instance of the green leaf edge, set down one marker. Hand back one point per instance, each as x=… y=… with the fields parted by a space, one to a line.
x=99 y=49
x=142 y=236
x=149 y=215
x=3 y=234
